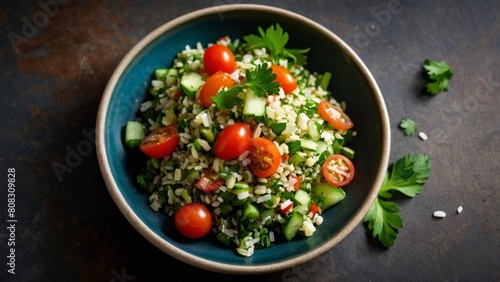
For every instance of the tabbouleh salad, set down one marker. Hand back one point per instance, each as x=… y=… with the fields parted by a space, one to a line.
x=243 y=141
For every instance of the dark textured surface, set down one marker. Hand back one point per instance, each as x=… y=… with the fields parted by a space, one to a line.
x=55 y=63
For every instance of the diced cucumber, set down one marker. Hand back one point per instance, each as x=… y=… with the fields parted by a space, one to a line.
x=302 y=209
x=302 y=197
x=325 y=80
x=322 y=146
x=134 y=133
x=250 y=211
x=241 y=187
x=297 y=159
x=293 y=225
x=161 y=74
x=192 y=175
x=272 y=203
x=327 y=195
x=208 y=135
x=253 y=105
x=348 y=152
x=172 y=76
x=190 y=83
x=308 y=145
x=267 y=213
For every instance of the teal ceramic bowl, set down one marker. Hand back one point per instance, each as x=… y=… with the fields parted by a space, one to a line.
x=352 y=82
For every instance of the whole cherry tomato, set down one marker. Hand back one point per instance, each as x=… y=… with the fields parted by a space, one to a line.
x=232 y=141
x=212 y=85
x=193 y=220
x=219 y=58
x=284 y=78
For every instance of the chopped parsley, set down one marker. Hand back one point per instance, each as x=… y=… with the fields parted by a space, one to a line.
x=260 y=81
x=410 y=127
x=274 y=39
x=440 y=73
x=407 y=176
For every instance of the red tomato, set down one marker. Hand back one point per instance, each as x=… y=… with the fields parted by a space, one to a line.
x=193 y=220
x=209 y=181
x=297 y=184
x=285 y=79
x=313 y=208
x=265 y=157
x=232 y=141
x=219 y=58
x=334 y=115
x=212 y=85
x=338 y=170
x=161 y=142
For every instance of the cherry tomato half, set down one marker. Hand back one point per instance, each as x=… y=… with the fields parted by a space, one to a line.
x=219 y=58
x=334 y=115
x=232 y=141
x=161 y=142
x=265 y=157
x=193 y=220
x=284 y=78
x=338 y=170
x=209 y=181
x=212 y=85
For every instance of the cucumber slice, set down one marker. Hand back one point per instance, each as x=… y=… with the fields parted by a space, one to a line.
x=327 y=195
x=293 y=225
x=172 y=76
x=191 y=83
x=134 y=133
x=348 y=152
x=302 y=197
x=322 y=146
x=308 y=145
x=325 y=80
x=161 y=74
x=253 y=105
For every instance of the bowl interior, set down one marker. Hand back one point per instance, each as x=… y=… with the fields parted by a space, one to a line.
x=351 y=83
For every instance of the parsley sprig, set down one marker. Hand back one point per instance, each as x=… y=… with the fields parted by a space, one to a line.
x=408 y=175
x=439 y=73
x=260 y=81
x=410 y=127
x=274 y=39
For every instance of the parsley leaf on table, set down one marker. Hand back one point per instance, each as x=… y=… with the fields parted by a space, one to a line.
x=261 y=82
x=408 y=175
x=409 y=126
x=274 y=39
x=440 y=73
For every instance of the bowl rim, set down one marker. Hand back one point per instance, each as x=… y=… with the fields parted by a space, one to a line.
x=186 y=257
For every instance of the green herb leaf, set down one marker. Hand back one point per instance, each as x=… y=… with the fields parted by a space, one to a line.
x=274 y=39
x=384 y=221
x=226 y=99
x=440 y=73
x=408 y=175
x=410 y=127
x=260 y=81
